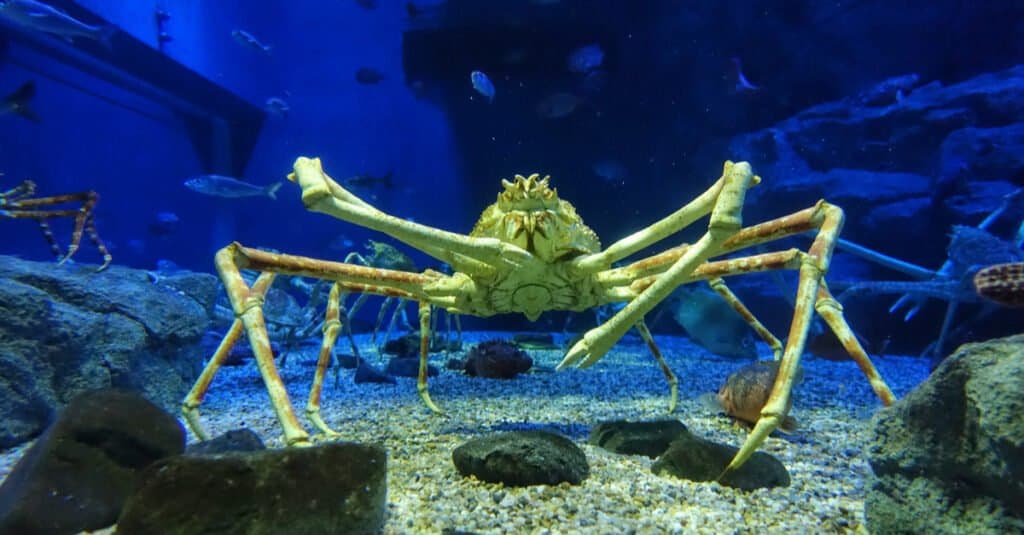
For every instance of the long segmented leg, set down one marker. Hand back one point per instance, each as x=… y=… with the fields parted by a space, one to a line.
x=190 y=406
x=14 y=204
x=421 y=377
x=332 y=324
x=673 y=382
x=719 y=286
x=725 y=221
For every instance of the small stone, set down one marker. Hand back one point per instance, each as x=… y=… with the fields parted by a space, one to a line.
x=235 y=440
x=649 y=438
x=697 y=459
x=522 y=458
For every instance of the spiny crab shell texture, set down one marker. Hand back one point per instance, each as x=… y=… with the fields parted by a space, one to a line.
x=530 y=215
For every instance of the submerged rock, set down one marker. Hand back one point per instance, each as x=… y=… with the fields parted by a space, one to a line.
x=949 y=457
x=79 y=474
x=522 y=458
x=698 y=459
x=636 y=438
x=65 y=329
x=333 y=488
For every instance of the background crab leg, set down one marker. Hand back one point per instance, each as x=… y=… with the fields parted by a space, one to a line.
x=724 y=222
x=332 y=323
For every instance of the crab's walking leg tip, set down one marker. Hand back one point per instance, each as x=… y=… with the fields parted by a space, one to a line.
x=573 y=356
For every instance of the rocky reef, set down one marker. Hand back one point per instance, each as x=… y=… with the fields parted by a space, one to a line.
x=65 y=329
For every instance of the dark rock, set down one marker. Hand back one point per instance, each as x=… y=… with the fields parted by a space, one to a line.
x=636 y=438
x=78 y=475
x=698 y=459
x=65 y=329
x=408 y=367
x=349 y=362
x=367 y=373
x=497 y=359
x=333 y=488
x=949 y=457
x=235 y=440
x=521 y=458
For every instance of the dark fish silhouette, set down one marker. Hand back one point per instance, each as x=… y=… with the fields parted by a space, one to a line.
x=368 y=76
x=17 y=102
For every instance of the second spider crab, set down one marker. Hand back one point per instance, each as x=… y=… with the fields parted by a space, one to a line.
x=529 y=253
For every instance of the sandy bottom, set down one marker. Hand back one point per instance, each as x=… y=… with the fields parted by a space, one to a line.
x=427 y=495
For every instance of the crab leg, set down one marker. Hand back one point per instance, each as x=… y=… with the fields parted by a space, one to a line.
x=725 y=222
x=190 y=406
x=673 y=382
x=332 y=324
x=811 y=291
x=674 y=222
x=421 y=377
x=718 y=285
x=320 y=193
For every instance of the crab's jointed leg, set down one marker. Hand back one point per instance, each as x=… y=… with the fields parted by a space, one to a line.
x=725 y=221
x=673 y=382
x=320 y=193
x=332 y=324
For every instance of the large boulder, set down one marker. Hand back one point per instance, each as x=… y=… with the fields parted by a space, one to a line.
x=949 y=457
x=79 y=474
x=334 y=488
x=65 y=329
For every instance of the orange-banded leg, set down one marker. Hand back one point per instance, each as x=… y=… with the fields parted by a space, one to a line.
x=347 y=278
x=28 y=208
x=190 y=406
x=421 y=377
x=718 y=285
x=332 y=324
x=813 y=265
x=673 y=382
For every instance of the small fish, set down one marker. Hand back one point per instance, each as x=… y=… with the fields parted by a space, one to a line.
x=585 y=59
x=482 y=84
x=368 y=5
x=224 y=186
x=611 y=171
x=742 y=84
x=1002 y=283
x=889 y=91
x=367 y=180
x=746 y=391
x=558 y=105
x=164 y=224
x=712 y=323
x=249 y=41
x=46 y=18
x=277 y=107
x=368 y=76
x=17 y=102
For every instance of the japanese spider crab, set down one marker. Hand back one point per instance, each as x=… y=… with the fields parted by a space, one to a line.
x=530 y=252
x=19 y=203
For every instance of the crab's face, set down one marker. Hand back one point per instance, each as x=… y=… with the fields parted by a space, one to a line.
x=529 y=214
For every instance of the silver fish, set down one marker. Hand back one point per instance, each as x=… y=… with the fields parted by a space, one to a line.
x=225 y=186
x=277 y=107
x=250 y=41
x=46 y=18
x=482 y=84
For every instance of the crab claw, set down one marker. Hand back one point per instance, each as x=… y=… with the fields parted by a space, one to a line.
x=585 y=353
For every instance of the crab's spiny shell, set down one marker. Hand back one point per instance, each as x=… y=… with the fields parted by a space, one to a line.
x=529 y=214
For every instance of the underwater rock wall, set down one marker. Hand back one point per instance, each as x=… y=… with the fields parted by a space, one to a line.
x=65 y=329
x=902 y=160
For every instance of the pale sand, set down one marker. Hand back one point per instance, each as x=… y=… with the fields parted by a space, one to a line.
x=426 y=494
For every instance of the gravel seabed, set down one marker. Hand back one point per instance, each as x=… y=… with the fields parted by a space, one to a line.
x=427 y=495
